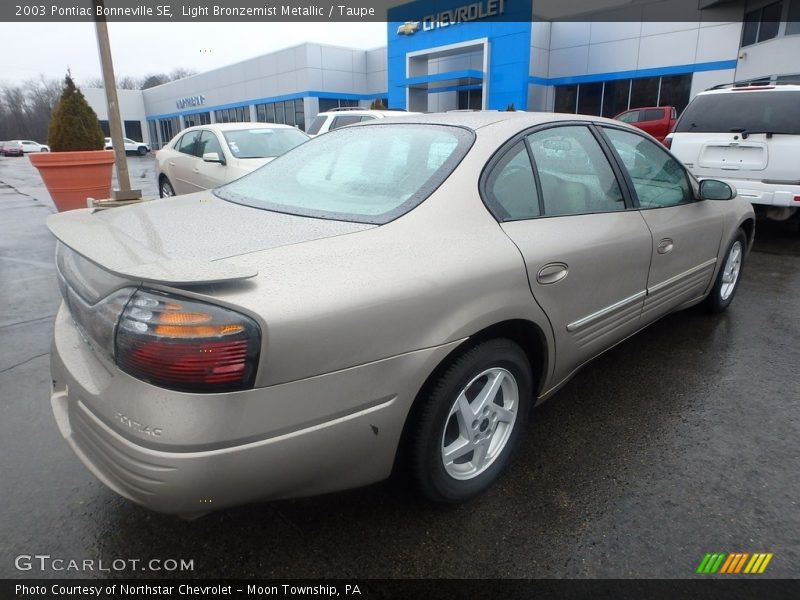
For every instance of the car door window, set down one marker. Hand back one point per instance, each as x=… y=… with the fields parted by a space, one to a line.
x=188 y=143
x=209 y=143
x=659 y=179
x=511 y=188
x=574 y=173
x=630 y=116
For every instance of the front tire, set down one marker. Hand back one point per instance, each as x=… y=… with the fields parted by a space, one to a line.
x=471 y=421
x=729 y=276
x=142 y=151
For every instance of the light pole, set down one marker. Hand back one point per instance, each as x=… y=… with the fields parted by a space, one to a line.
x=112 y=102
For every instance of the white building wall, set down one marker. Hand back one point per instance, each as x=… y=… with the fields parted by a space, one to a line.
x=778 y=56
x=377 y=71
x=131 y=107
x=303 y=68
x=609 y=47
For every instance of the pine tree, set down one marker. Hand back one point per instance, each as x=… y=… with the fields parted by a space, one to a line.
x=74 y=125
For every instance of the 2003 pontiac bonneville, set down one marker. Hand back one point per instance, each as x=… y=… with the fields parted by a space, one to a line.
x=403 y=290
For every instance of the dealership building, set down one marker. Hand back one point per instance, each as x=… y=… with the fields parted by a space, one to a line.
x=489 y=54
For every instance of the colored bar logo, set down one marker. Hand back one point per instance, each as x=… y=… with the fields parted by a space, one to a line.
x=734 y=563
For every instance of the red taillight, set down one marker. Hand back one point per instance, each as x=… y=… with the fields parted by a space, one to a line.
x=186 y=345
x=796 y=198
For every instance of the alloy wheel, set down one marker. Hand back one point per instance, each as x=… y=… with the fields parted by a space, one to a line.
x=730 y=272
x=479 y=423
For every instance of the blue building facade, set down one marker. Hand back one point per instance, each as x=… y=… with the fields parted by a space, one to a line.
x=457 y=53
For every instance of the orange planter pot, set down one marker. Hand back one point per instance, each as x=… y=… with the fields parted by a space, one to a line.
x=71 y=177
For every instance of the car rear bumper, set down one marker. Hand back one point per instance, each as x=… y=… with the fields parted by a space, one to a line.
x=343 y=448
x=768 y=194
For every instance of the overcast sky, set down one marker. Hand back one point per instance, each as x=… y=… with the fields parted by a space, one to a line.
x=31 y=49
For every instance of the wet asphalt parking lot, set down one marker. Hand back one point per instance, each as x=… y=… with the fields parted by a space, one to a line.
x=681 y=441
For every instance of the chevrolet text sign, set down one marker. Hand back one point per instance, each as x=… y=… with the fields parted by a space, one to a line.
x=190 y=101
x=463 y=14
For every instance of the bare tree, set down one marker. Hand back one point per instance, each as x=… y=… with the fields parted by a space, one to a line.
x=26 y=108
x=150 y=81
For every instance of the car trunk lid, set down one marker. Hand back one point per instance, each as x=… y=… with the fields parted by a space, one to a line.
x=189 y=240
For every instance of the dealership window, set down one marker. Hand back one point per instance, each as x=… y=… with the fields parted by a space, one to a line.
x=168 y=128
x=326 y=104
x=203 y=118
x=793 y=20
x=105 y=128
x=644 y=92
x=470 y=99
x=239 y=114
x=611 y=98
x=153 y=128
x=590 y=98
x=615 y=97
x=289 y=112
x=762 y=24
x=133 y=130
x=566 y=98
x=675 y=90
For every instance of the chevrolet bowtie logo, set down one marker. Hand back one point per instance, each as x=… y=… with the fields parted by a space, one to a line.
x=408 y=28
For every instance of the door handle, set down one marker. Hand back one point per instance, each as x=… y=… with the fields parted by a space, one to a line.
x=552 y=273
x=195 y=170
x=665 y=246
x=172 y=163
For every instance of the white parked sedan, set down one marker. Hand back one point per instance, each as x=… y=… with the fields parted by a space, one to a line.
x=207 y=156
x=131 y=146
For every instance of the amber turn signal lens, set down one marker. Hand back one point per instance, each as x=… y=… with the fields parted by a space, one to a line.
x=186 y=345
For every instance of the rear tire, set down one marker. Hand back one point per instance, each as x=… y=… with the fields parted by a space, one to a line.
x=471 y=422
x=165 y=189
x=142 y=151
x=729 y=276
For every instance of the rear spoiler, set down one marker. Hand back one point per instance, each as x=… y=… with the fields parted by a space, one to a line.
x=120 y=255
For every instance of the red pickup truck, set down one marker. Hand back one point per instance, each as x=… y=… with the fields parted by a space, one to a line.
x=658 y=121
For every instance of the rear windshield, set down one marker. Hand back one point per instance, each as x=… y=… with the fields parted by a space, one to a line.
x=743 y=111
x=364 y=174
x=262 y=143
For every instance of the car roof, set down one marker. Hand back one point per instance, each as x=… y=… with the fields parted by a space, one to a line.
x=481 y=118
x=366 y=111
x=781 y=87
x=240 y=125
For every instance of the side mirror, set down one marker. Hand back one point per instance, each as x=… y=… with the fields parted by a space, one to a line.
x=712 y=189
x=213 y=157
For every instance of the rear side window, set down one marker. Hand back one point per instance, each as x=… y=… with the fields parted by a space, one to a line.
x=511 y=188
x=316 y=125
x=345 y=120
x=575 y=175
x=745 y=111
